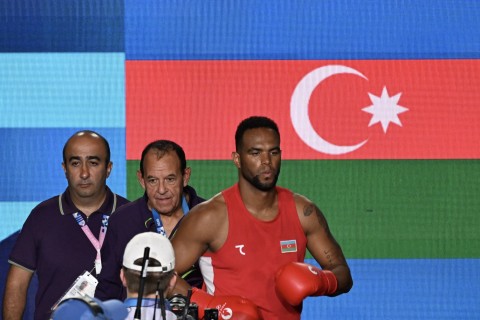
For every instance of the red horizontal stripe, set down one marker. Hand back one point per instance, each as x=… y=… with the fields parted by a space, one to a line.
x=199 y=104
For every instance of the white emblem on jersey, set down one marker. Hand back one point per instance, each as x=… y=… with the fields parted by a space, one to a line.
x=226 y=314
x=240 y=248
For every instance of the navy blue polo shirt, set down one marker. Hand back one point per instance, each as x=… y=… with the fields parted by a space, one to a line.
x=52 y=244
x=127 y=222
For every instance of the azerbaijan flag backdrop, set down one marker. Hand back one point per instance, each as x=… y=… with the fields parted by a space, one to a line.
x=377 y=104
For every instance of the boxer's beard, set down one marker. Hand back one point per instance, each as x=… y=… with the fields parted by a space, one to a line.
x=255 y=181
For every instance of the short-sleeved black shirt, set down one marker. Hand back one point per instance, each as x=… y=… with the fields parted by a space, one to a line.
x=130 y=220
x=52 y=244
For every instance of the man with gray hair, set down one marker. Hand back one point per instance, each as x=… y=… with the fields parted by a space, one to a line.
x=164 y=175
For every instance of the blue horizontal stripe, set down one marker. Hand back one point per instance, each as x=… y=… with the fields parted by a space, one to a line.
x=311 y=29
x=13 y=215
x=404 y=289
x=31 y=162
x=62 y=90
x=61 y=26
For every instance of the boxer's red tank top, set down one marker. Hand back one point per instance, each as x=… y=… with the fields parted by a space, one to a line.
x=253 y=251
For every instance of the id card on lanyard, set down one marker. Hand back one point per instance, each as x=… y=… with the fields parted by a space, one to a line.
x=158 y=221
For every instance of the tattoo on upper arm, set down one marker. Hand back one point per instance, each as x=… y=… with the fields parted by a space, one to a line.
x=311 y=208
x=307 y=211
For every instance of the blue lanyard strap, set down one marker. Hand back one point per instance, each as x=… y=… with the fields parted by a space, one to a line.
x=185 y=207
x=158 y=221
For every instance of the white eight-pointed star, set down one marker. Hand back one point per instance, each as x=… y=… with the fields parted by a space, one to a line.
x=385 y=109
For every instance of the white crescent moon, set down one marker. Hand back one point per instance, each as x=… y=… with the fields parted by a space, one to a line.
x=299 y=109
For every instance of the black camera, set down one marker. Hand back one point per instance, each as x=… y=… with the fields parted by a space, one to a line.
x=178 y=305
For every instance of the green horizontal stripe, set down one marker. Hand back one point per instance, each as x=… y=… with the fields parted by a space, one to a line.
x=375 y=208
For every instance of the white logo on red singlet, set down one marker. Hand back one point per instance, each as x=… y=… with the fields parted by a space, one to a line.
x=312 y=270
x=224 y=312
x=240 y=249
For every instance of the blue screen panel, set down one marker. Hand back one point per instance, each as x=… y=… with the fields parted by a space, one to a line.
x=62 y=90
x=61 y=26
x=13 y=215
x=256 y=29
x=31 y=162
x=402 y=289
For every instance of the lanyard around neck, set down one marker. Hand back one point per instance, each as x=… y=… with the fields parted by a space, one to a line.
x=97 y=243
x=158 y=221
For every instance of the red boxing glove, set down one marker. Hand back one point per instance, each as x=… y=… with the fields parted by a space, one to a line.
x=295 y=281
x=229 y=307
